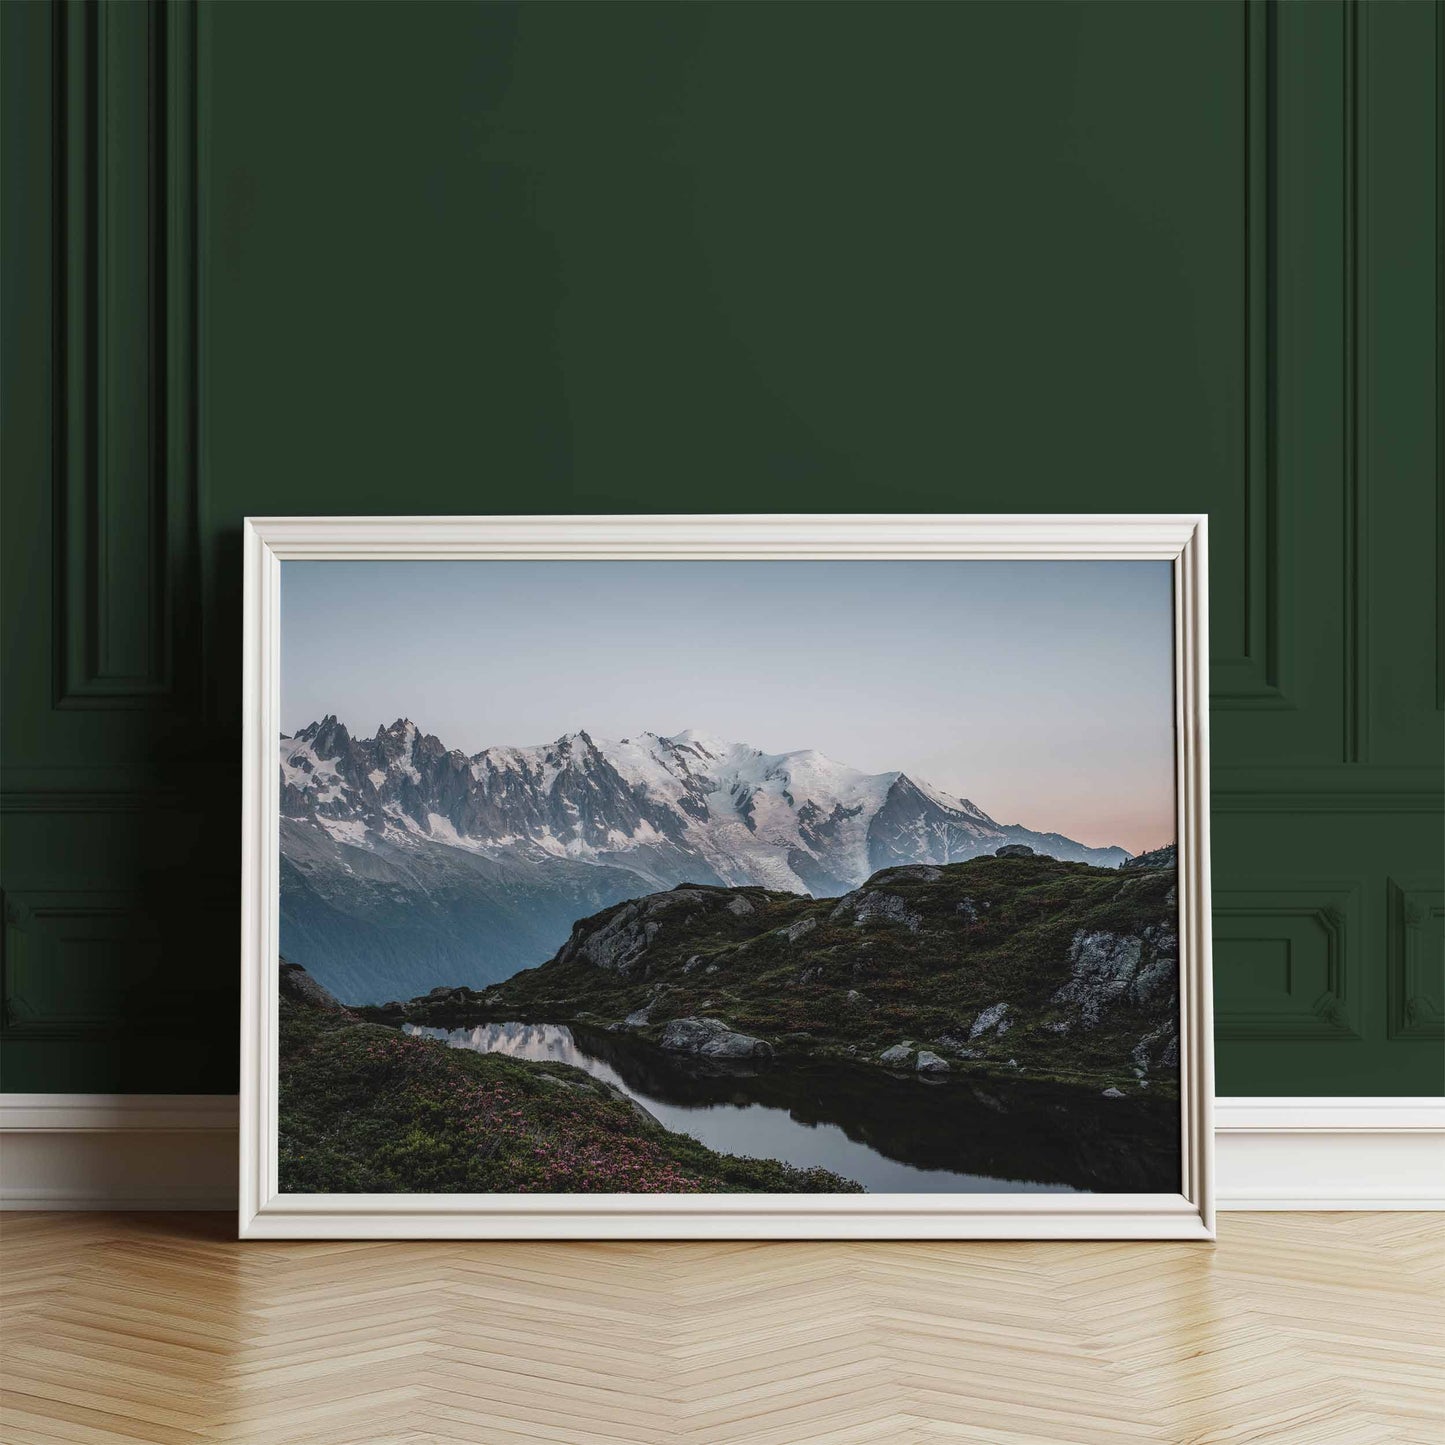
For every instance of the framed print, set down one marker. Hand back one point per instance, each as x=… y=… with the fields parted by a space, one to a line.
x=736 y=876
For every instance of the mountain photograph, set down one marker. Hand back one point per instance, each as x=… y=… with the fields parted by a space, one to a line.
x=634 y=961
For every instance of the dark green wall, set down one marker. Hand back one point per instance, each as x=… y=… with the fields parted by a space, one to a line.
x=371 y=257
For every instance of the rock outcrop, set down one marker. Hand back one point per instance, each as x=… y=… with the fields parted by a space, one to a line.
x=872 y=905
x=299 y=987
x=1165 y=857
x=712 y=1039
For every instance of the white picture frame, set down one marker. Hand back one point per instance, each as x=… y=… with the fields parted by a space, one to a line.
x=265 y=1213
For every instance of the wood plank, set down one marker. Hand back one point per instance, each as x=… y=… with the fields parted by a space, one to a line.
x=1299 y=1329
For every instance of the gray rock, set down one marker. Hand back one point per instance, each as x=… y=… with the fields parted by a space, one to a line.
x=712 y=1039
x=298 y=986
x=801 y=928
x=1112 y=1093
x=615 y=946
x=740 y=906
x=620 y=942
x=1014 y=850
x=988 y=1021
x=1157 y=1049
x=930 y=1063
x=638 y=1017
x=1158 y=978
x=909 y=873
x=969 y=909
x=868 y=905
x=1104 y=966
x=897 y=1057
x=956 y=1044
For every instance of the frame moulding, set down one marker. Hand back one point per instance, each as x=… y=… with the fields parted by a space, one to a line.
x=266 y=1213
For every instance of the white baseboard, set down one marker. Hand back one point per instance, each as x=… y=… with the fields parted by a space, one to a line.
x=118 y=1151
x=179 y=1151
x=1323 y=1153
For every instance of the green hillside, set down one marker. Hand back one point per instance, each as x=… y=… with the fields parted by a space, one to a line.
x=997 y=964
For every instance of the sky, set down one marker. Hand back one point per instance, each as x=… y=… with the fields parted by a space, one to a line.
x=1042 y=691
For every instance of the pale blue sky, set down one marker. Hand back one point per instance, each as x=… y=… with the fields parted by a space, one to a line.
x=1040 y=690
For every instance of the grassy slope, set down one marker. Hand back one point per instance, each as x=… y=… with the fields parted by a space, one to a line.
x=992 y=930
x=367 y=1109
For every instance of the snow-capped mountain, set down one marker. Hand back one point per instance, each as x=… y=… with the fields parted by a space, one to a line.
x=396 y=832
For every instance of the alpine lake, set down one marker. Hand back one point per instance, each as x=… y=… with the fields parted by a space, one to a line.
x=890 y=1133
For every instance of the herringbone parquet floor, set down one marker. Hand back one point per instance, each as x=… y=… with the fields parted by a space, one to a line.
x=1321 y=1328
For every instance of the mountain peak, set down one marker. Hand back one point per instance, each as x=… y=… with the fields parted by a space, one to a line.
x=951 y=801
x=578 y=741
x=700 y=741
x=691 y=806
x=327 y=738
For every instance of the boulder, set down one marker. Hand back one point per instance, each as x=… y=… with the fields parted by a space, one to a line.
x=1112 y=1093
x=930 y=1063
x=897 y=1057
x=801 y=928
x=991 y=1020
x=299 y=987
x=712 y=1039
x=1014 y=850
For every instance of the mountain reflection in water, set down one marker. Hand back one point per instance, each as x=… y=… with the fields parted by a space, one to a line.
x=891 y=1135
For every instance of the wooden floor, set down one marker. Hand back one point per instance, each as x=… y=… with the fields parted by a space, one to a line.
x=161 y=1329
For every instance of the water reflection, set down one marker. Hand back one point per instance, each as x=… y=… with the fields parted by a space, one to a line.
x=891 y=1135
